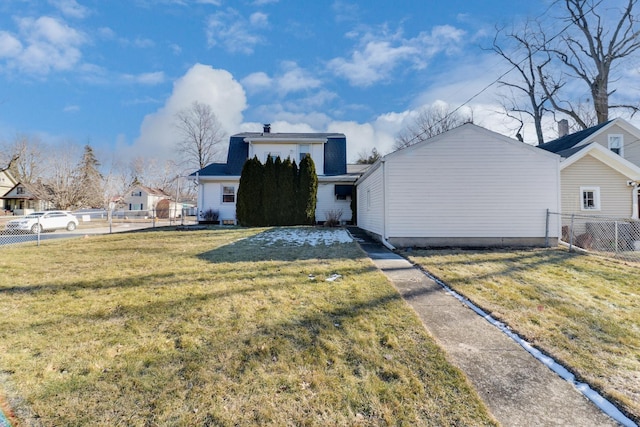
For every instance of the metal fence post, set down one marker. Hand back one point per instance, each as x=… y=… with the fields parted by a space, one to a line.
x=615 y=236
x=546 y=231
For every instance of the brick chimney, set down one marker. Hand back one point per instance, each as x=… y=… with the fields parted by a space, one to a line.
x=563 y=128
x=266 y=128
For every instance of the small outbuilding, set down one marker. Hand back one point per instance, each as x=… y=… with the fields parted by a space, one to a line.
x=466 y=187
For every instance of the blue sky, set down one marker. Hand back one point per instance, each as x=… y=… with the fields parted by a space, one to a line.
x=114 y=73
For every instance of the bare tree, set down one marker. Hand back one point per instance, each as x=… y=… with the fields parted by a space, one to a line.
x=529 y=59
x=597 y=35
x=431 y=121
x=63 y=187
x=368 y=158
x=591 y=47
x=201 y=134
x=27 y=161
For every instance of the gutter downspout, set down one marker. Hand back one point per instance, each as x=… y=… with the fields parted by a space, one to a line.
x=384 y=208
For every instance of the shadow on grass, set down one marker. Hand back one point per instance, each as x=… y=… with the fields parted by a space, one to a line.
x=265 y=246
x=525 y=261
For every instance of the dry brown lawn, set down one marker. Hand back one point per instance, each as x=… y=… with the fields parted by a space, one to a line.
x=216 y=327
x=583 y=310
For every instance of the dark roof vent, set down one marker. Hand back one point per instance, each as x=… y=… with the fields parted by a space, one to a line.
x=266 y=128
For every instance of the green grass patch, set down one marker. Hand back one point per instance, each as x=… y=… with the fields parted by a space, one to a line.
x=217 y=327
x=583 y=310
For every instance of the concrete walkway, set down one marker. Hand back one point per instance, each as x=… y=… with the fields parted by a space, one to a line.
x=517 y=388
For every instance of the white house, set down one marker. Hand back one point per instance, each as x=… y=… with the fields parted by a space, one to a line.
x=466 y=187
x=218 y=182
x=7 y=182
x=22 y=199
x=148 y=202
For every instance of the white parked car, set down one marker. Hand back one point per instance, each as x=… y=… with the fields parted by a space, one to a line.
x=43 y=221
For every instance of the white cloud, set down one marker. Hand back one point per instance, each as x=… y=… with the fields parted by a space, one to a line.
x=201 y=83
x=143 y=43
x=146 y=78
x=233 y=31
x=71 y=108
x=70 y=8
x=292 y=79
x=295 y=79
x=175 y=48
x=378 y=55
x=259 y=19
x=45 y=44
x=258 y=81
x=9 y=45
x=106 y=33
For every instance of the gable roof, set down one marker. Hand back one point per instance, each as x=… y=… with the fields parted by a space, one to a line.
x=9 y=175
x=571 y=140
x=569 y=144
x=478 y=130
x=335 y=151
x=606 y=156
x=29 y=191
x=153 y=191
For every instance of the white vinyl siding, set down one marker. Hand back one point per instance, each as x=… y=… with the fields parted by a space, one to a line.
x=370 y=207
x=210 y=194
x=290 y=150
x=327 y=201
x=467 y=183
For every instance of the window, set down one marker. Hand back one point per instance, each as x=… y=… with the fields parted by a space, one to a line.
x=228 y=194
x=342 y=191
x=616 y=144
x=590 y=198
x=274 y=156
x=304 y=150
x=20 y=190
x=136 y=194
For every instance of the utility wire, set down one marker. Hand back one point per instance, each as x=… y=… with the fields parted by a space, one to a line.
x=418 y=136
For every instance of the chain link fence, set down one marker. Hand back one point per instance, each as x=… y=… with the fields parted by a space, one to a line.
x=610 y=236
x=92 y=221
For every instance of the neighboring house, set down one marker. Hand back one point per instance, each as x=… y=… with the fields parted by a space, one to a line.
x=600 y=170
x=218 y=182
x=21 y=200
x=7 y=182
x=617 y=135
x=147 y=201
x=466 y=187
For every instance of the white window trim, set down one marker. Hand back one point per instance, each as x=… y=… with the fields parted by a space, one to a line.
x=596 y=198
x=235 y=195
x=621 y=139
x=300 y=152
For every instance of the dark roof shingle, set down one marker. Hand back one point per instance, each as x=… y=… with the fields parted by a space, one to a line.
x=567 y=142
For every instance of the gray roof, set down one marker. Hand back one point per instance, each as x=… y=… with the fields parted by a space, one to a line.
x=276 y=136
x=564 y=145
x=335 y=153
